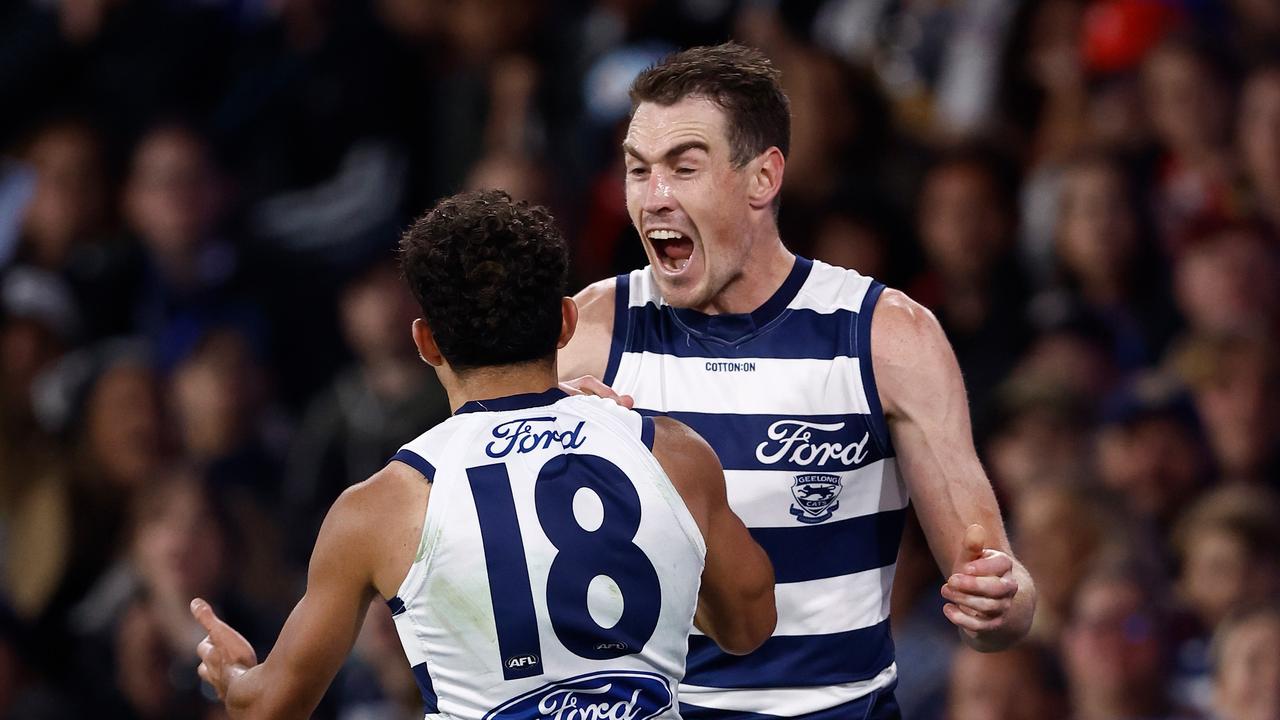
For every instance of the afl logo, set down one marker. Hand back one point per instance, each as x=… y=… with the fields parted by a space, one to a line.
x=522 y=661
x=816 y=497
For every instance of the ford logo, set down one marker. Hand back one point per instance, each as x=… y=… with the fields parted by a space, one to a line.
x=609 y=695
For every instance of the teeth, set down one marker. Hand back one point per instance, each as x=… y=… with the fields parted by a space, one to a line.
x=664 y=235
x=680 y=264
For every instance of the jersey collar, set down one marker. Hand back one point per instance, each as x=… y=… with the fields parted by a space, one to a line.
x=731 y=327
x=523 y=401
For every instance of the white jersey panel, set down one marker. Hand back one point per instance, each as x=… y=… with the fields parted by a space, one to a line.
x=559 y=567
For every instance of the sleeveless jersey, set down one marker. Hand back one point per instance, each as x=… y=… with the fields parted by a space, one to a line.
x=558 y=571
x=786 y=397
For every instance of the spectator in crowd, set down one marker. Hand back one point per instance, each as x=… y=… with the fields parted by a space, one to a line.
x=1039 y=439
x=1106 y=266
x=136 y=619
x=357 y=424
x=1228 y=280
x=220 y=412
x=1115 y=648
x=172 y=202
x=966 y=224
x=1228 y=552
x=1247 y=664
x=1228 y=547
x=105 y=402
x=1189 y=100
x=1068 y=528
x=1150 y=451
x=1235 y=382
x=69 y=205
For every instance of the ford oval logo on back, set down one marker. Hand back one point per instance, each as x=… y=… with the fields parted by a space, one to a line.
x=609 y=695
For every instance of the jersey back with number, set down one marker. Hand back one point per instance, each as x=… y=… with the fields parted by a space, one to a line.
x=558 y=570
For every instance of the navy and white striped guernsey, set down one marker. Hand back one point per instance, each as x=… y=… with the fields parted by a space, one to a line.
x=787 y=398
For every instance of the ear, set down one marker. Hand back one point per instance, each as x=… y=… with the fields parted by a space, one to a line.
x=568 y=321
x=766 y=178
x=426 y=342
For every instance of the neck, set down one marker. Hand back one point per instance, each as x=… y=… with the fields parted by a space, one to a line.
x=495 y=382
x=766 y=269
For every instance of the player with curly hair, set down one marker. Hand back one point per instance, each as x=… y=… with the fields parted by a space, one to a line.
x=541 y=554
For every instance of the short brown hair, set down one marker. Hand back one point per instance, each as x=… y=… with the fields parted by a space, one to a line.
x=739 y=79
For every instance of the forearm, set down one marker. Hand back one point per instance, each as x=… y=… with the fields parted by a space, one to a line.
x=1017 y=622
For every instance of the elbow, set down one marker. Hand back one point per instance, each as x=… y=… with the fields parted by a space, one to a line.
x=751 y=635
x=754 y=624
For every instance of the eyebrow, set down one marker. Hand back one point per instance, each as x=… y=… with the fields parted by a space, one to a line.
x=673 y=152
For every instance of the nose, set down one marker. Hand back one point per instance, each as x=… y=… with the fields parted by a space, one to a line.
x=658 y=197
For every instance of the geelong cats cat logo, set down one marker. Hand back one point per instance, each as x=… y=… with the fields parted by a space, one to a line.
x=816 y=497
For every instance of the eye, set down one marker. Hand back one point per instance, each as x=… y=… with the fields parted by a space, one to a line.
x=685 y=171
x=637 y=171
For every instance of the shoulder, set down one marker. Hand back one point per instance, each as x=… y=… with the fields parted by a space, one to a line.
x=596 y=301
x=367 y=505
x=587 y=352
x=372 y=529
x=683 y=452
x=902 y=327
x=910 y=353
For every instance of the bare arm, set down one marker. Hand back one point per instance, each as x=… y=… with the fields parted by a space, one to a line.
x=588 y=351
x=360 y=538
x=992 y=598
x=735 y=603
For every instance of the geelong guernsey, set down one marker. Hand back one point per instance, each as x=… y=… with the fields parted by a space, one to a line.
x=786 y=397
x=558 y=570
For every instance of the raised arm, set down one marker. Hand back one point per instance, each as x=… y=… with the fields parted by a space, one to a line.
x=736 y=602
x=991 y=596
x=360 y=540
x=588 y=350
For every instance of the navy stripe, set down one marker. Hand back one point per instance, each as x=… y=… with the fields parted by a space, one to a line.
x=832 y=549
x=429 y=699
x=621 y=326
x=523 y=401
x=876 y=705
x=646 y=431
x=504 y=560
x=396 y=605
x=793 y=660
x=863 y=352
x=417 y=462
x=738 y=438
x=801 y=333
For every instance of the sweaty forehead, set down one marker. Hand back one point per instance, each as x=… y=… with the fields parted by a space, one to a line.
x=655 y=128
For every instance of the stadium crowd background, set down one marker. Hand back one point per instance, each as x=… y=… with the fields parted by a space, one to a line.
x=203 y=337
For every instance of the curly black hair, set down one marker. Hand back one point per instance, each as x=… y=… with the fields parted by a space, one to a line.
x=489 y=274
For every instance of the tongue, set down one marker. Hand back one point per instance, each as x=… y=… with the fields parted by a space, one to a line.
x=678 y=249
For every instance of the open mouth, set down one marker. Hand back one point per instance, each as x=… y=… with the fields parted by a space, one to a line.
x=672 y=248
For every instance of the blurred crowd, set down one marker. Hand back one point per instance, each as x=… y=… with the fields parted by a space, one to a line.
x=204 y=339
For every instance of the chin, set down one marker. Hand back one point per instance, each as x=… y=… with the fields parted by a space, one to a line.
x=681 y=293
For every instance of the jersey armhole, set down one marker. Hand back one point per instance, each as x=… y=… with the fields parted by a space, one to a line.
x=862 y=349
x=621 y=326
x=647 y=429
x=417 y=462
